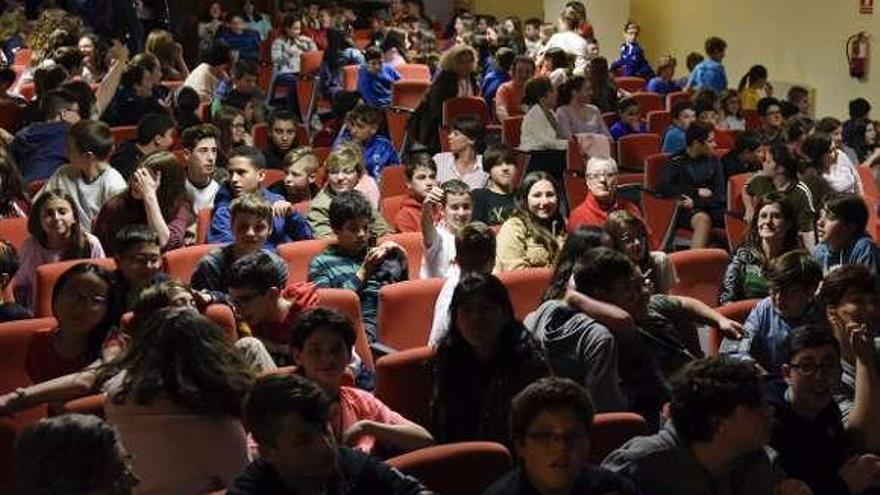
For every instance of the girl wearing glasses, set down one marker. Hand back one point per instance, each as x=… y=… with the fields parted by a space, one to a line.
x=630 y=236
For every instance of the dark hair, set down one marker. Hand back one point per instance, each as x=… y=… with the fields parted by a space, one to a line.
x=815 y=147
x=797 y=92
x=259 y=271
x=715 y=45
x=92 y=136
x=791 y=240
x=755 y=73
x=783 y=157
x=859 y=108
x=600 y=268
x=224 y=119
x=182 y=356
x=827 y=125
x=337 y=41
x=794 y=268
x=152 y=299
x=244 y=68
x=746 y=141
x=288 y=21
x=49 y=78
x=218 y=54
x=549 y=394
x=11 y=186
x=172 y=187
x=192 y=135
x=285 y=115
x=473 y=128
x=559 y=58
x=487 y=286
x=568 y=89
x=533 y=21
x=152 y=125
x=681 y=106
x=797 y=128
x=54 y=102
x=7 y=75
x=99 y=333
x=704 y=105
x=312 y=320
x=132 y=235
x=626 y=103
x=421 y=160
x=706 y=391
x=273 y=397
x=474 y=246
x=765 y=103
x=9 y=261
x=395 y=38
x=252 y=154
x=504 y=58
x=846 y=278
x=186 y=102
x=535 y=89
x=698 y=132
x=497 y=154
x=84 y=95
x=348 y=205
x=79 y=246
x=367 y=114
x=132 y=75
x=810 y=337
x=71 y=453
x=543 y=231
x=849 y=208
x=373 y=52
x=693 y=59
x=580 y=240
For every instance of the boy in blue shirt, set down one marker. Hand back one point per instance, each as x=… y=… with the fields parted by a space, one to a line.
x=630 y=119
x=375 y=79
x=842 y=235
x=632 y=56
x=683 y=114
x=498 y=74
x=710 y=74
x=361 y=126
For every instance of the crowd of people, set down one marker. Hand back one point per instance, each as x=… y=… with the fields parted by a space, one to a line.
x=241 y=379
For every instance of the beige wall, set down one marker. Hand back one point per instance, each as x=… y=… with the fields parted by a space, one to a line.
x=797 y=40
x=500 y=8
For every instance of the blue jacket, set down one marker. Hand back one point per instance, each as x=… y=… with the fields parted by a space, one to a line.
x=620 y=129
x=709 y=74
x=674 y=141
x=247 y=43
x=862 y=252
x=493 y=80
x=378 y=152
x=659 y=86
x=375 y=89
x=40 y=149
x=293 y=227
x=632 y=60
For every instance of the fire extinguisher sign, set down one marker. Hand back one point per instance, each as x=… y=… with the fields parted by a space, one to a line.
x=866 y=6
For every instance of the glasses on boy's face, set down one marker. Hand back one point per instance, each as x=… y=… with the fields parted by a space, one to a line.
x=809 y=368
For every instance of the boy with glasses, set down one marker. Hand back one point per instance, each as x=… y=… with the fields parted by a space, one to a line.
x=602 y=198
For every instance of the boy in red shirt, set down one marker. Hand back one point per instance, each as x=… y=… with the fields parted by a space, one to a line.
x=421 y=176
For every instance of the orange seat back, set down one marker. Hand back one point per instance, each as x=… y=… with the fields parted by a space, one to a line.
x=347 y=303
x=611 y=430
x=526 y=288
x=406 y=311
x=398 y=120
x=736 y=184
x=575 y=190
x=699 y=273
x=181 y=263
x=675 y=97
x=632 y=150
x=260 y=133
x=753 y=119
x=123 y=133
x=466 y=468
x=414 y=72
x=725 y=139
x=465 y=105
x=511 y=129
x=390 y=207
x=48 y=274
x=203 y=224
x=298 y=255
x=411 y=242
x=15 y=231
x=630 y=84
x=658 y=122
x=408 y=94
x=11 y=116
x=392 y=181
x=271 y=176
x=736 y=229
x=404 y=382
x=649 y=102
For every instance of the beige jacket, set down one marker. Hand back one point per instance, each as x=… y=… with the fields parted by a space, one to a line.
x=517 y=247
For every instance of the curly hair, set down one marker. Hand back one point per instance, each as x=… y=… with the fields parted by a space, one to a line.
x=450 y=57
x=54 y=27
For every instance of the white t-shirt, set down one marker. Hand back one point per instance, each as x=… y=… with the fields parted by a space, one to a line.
x=476 y=177
x=572 y=43
x=438 y=257
x=202 y=197
x=201 y=80
x=842 y=177
x=440 y=324
x=89 y=196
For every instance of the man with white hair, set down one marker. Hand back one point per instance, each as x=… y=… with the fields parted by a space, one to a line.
x=602 y=198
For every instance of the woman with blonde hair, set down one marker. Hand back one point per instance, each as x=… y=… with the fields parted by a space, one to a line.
x=161 y=44
x=456 y=78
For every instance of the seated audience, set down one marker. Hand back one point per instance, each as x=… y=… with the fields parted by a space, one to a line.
x=602 y=197
x=281 y=408
x=155 y=132
x=541 y=135
x=694 y=177
x=138 y=263
x=445 y=211
x=215 y=67
x=245 y=175
x=287 y=49
x=421 y=177
x=730 y=116
x=772 y=233
x=629 y=235
x=345 y=172
x=843 y=239
x=843 y=154
x=710 y=73
x=605 y=91
x=200 y=154
x=73 y=453
x=482 y=362
x=88 y=177
x=376 y=79
x=55 y=235
x=464 y=160
x=240 y=90
x=340 y=51
x=234 y=132
x=40 y=148
x=744 y=157
x=548 y=411
x=156 y=197
x=170 y=54
x=508 y=98
x=282 y=138
x=354 y=261
x=497 y=73
x=577 y=242
x=134 y=98
x=9 y=265
x=792 y=282
x=362 y=127
x=575 y=114
x=683 y=115
x=244 y=42
x=180 y=383
x=532 y=235
x=663 y=83
x=493 y=204
x=770 y=111
x=299 y=183
x=715 y=439
x=808 y=433
x=14 y=201
x=322 y=340
x=629 y=121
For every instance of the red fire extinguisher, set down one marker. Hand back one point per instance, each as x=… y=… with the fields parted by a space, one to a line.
x=857 y=55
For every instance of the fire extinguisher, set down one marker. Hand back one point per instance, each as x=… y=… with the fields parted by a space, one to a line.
x=857 y=55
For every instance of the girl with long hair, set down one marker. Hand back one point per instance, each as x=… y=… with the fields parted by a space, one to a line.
x=630 y=236
x=576 y=244
x=14 y=201
x=753 y=86
x=161 y=44
x=339 y=53
x=575 y=114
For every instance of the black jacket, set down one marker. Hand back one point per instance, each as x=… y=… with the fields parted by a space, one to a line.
x=358 y=474
x=425 y=122
x=125 y=158
x=593 y=480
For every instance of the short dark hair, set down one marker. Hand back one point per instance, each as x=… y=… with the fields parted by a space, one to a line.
x=251 y=153
x=681 y=106
x=373 y=53
x=600 y=268
x=551 y=393
x=626 y=103
x=48 y=78
x=7 y=75
x=132 y=75
x=535 y=89
x=704 y=105
x=9 y=261
x=783 y=157
x=693 y=59
x=844 y=278
x=746 y=141
x=244 y=68
x=797 y=92
x=54 y=102
x=192 y=135
x=286 y=115
x=218 y=54
x=698 y=132
x=533 y=21
x=367 y=114
x=850 y=208
x=706 y=391
x=312 y=320
x=715 y=45
x=474 y=246
x=794 y=268
x=92 y=136
x=473 y=128
x=765 y=103
x=152 y=125
x=827 y=125
x=419 y=160
x=504 y=58
x=496 y=154
x=132 y=235
x=274 y=396
x=859 y=108
x=346 y=206
x=259 y=271
x=810 y=337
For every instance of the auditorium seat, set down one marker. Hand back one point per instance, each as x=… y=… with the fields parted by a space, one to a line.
x=611 y=430
x=298 y=255
x=404 y=383
x=526 y=288
x=347 y=303
x=465 y=468
x=737 y=311
x=181 y=263
x=48 y=274
x=699 y=273
x=406 y=311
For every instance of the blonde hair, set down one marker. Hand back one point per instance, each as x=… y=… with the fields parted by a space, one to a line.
x=51 y=21
x=451 y=56
x=572 y=18
x=303 y=158
x=596 y=161
x=10 y=21
x=252 y=204
x=160 y=43
x=348 y=154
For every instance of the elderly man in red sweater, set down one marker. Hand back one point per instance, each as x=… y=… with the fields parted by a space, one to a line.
x=602 y=198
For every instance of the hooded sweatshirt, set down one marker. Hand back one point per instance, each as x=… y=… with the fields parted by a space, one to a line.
x=40 y=149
